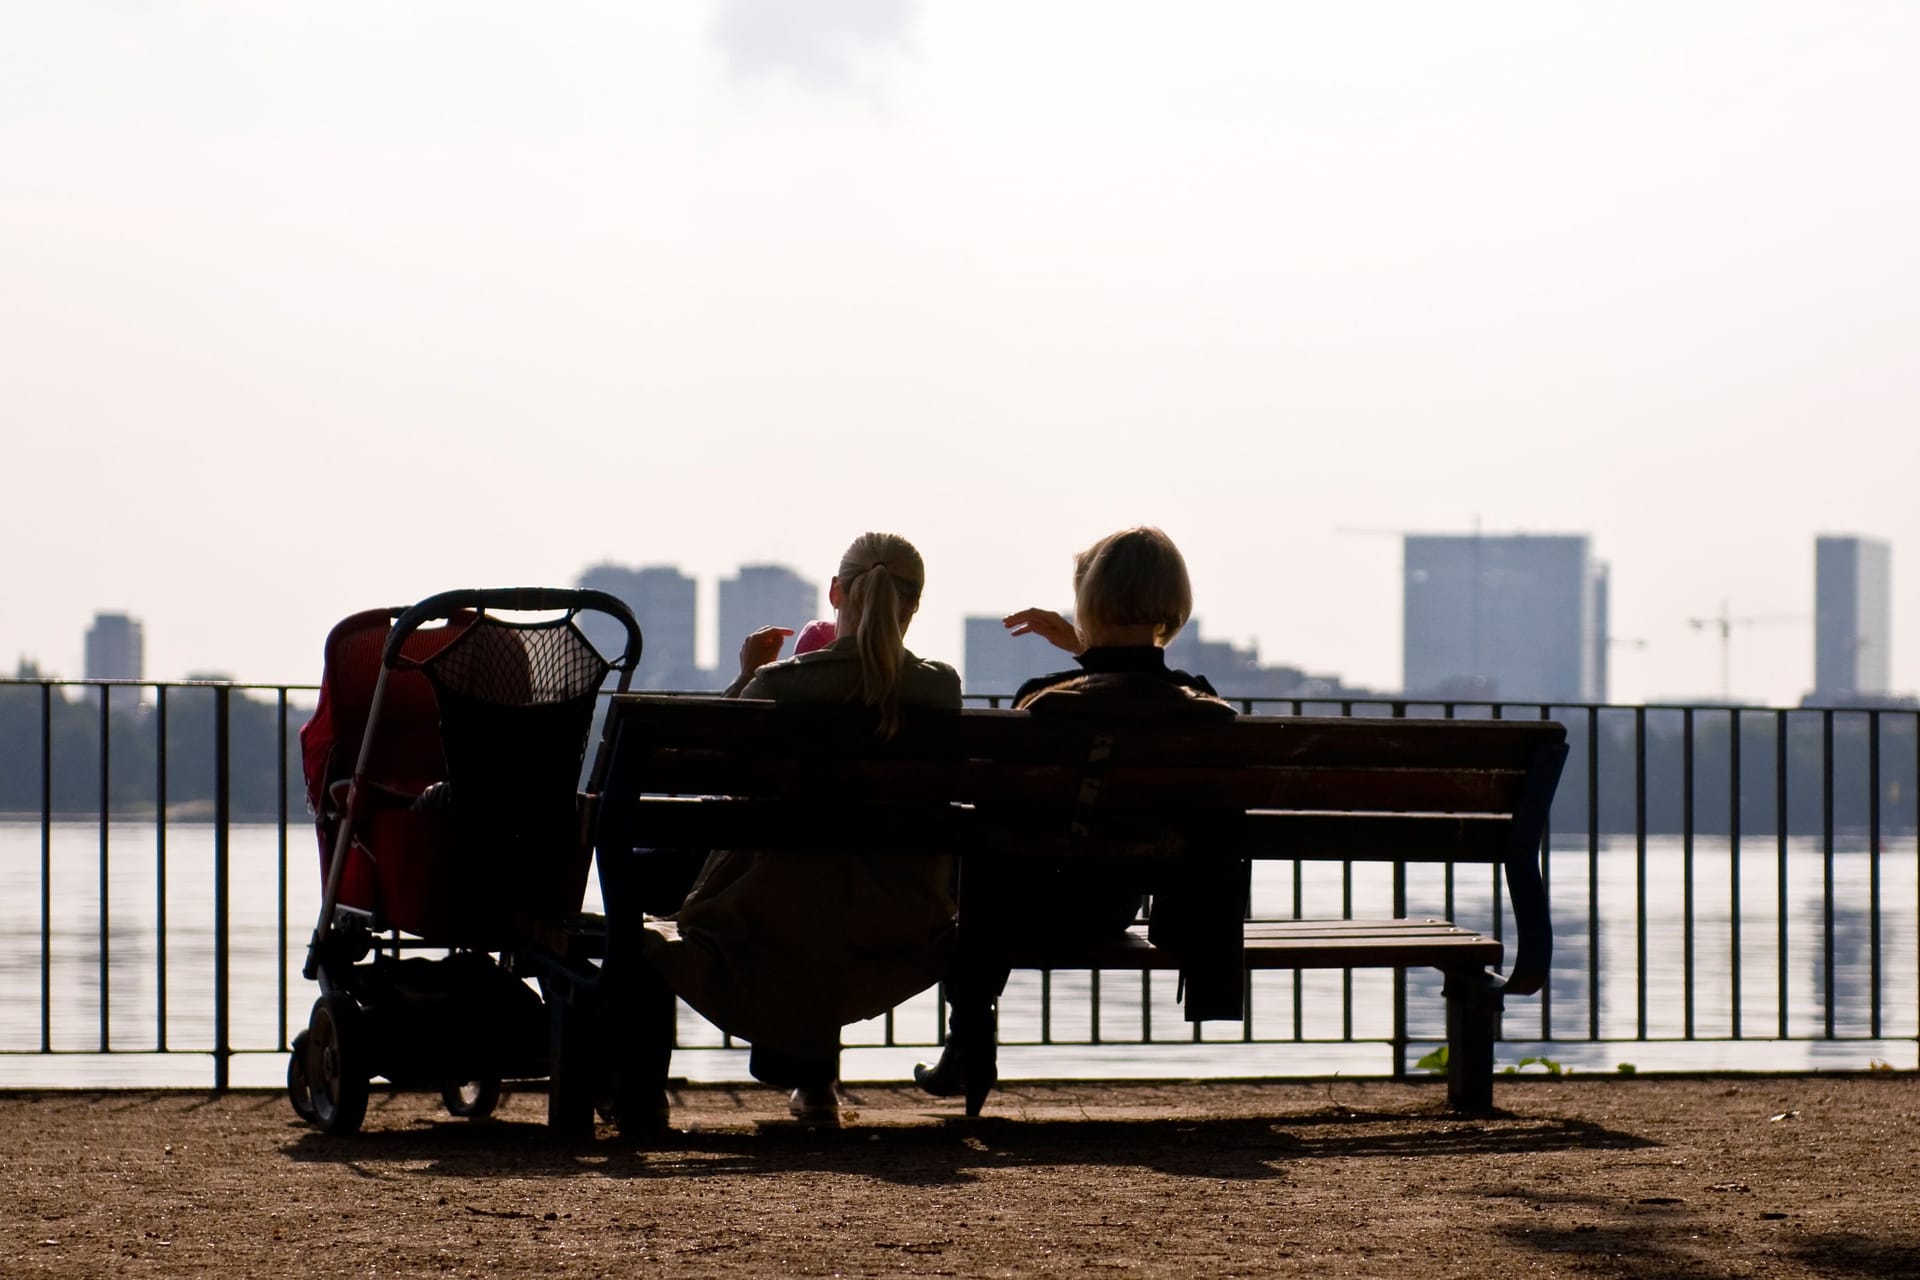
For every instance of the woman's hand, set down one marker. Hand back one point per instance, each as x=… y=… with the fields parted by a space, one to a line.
x=1046 y=624
x=760 y=648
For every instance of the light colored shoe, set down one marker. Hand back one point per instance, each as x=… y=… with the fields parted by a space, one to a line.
x=818 y=1106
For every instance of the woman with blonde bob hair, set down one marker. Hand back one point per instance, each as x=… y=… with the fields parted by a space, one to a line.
x=1131 y=597
x=782 y=951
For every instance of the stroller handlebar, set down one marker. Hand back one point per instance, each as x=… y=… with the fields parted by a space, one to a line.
x=528 y=599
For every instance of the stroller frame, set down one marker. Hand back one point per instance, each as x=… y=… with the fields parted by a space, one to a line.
x=479 y=850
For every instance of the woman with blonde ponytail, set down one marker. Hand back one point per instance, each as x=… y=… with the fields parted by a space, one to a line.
x=783 y=950
x=875 y=595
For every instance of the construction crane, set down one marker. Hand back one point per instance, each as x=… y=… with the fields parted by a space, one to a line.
x=1724 y=623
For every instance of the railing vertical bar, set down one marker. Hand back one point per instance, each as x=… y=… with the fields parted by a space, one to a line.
x=1046 y=1006
x=1686 y=870
x=106 y=924
x=222 y=914
x=1873 y=870
x=1346 y=975
x=46 y=868
x=1593 y=873
x=1546 y=885
x=280 y=921
x=1399 y=974
x=1246 y=1007
x=1780 y=881
x=1733 y=860
x=1640 y=868
x=1299 y=988
x=1146 y=1008
x=1446 y=873
x=1399 y=978
x=160 y=862
x=1826 y=863
x=1093 y=991
x=1499 y=901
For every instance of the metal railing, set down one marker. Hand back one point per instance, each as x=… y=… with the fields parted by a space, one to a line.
x=1748 y=874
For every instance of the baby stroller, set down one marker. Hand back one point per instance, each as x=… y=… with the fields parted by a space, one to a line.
x=443 y=767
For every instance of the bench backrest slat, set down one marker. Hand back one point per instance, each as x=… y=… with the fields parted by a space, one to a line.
x=743 y=728
x=884 y=781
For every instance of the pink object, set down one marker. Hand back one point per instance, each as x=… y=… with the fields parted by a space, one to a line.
x=817 y=634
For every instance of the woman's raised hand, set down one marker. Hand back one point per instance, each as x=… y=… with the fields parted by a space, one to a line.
x=762 y=647
x=1046 y=624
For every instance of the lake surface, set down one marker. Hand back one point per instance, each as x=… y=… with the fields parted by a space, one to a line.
x=1340 y=1020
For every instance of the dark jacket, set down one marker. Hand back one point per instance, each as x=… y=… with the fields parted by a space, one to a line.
x=1197 y=906
x=1146 y=660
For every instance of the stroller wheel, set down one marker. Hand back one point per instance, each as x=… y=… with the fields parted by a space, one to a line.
x=471 y=1099
x=337 y=1051
x=299 y=1092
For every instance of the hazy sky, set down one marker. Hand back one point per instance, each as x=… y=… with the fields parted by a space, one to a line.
x=306 y=307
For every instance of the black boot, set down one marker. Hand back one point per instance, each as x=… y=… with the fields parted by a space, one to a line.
x=968 y=1065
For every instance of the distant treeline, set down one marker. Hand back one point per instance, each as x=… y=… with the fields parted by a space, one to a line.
x=133 y=752
x=134 y=743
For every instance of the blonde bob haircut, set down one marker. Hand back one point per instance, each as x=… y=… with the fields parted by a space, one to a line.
x=1135 y=577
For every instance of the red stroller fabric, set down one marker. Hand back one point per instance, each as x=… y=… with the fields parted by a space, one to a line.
x=407 y=758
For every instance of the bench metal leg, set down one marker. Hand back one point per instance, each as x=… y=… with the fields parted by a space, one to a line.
x=979 y=1046
x=573 y=1055
x=1475 y=999
x=638 y=1049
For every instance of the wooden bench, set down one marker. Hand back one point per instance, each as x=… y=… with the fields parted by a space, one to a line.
x=742 y=774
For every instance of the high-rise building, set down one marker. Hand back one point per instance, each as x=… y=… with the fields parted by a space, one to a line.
x=663 y=602
x=1519 y=617
x=1852 y=616
x=996 y=662
x=116 y=648
x=762 y=595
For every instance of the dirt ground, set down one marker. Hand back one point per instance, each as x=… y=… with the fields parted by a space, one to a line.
x=1737 y=1176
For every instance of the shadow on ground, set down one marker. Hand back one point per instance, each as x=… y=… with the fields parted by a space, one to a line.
x=1669 y=1241
x=953 y=1149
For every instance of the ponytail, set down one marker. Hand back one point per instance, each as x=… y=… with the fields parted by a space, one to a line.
x=882 y=647
x=881 y=575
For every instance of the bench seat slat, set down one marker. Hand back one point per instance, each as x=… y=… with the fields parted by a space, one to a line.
x=1395 y=943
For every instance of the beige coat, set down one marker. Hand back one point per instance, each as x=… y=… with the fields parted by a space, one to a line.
x=782 y=950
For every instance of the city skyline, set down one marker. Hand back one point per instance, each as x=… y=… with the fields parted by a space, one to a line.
x=307 y=313
x=1538 y=630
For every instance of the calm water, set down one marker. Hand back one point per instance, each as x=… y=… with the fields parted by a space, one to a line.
x=1128 y=1009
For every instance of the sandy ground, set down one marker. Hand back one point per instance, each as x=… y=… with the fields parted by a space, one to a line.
x=1738 y=1176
